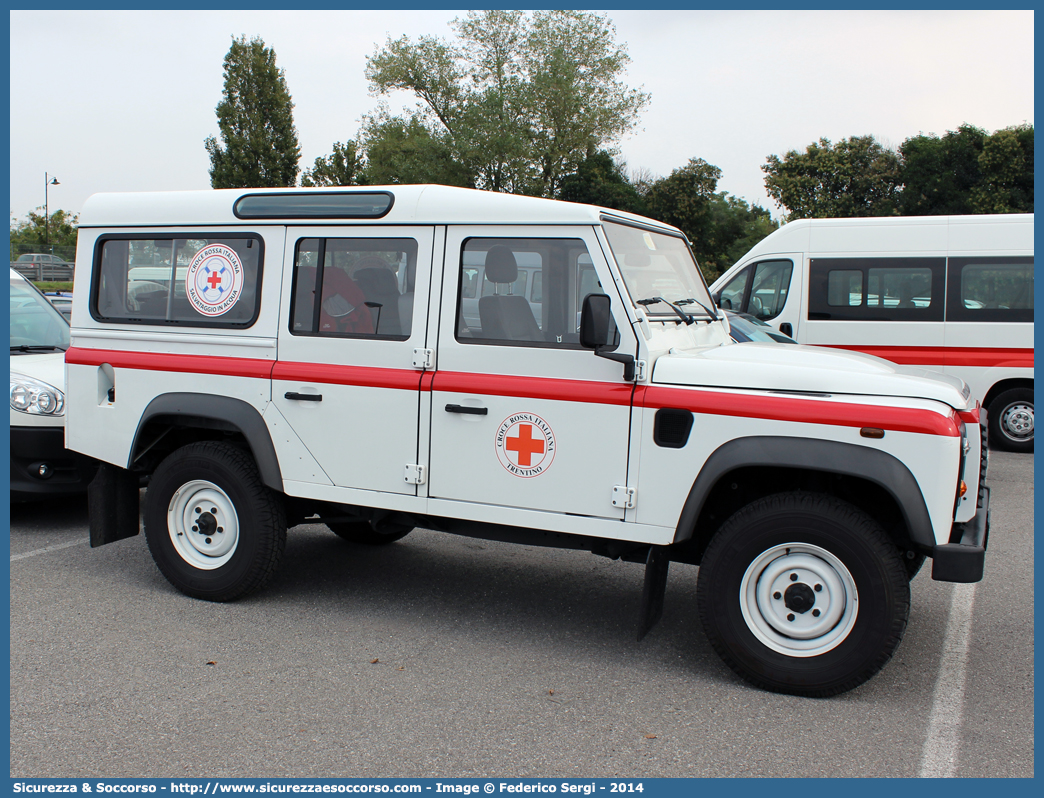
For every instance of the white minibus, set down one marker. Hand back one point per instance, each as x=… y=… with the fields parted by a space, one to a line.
x=948 y=293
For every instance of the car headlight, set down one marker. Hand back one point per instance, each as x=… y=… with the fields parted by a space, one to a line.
x=35 y=397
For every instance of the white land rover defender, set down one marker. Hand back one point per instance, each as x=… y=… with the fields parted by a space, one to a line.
x=271 y=357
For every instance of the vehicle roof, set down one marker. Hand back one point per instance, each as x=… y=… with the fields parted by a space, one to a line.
x=1007 y=232
x=413 y=204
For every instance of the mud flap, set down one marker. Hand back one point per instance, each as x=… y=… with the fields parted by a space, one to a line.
x=112 y=505
x=656 y=565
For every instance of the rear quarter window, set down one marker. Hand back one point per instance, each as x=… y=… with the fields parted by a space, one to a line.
x=994 y=289
x=199 y=281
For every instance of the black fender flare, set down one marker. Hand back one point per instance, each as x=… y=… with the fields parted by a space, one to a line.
x=217 y=412
x=832 y=457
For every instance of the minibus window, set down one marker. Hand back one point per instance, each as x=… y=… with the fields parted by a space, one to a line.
x=990 y=289
x=845 y=288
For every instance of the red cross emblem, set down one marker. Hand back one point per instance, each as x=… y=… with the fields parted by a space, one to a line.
x=214 y=279
x=525 y=445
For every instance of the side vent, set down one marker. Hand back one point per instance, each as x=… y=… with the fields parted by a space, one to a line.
x=672 y=427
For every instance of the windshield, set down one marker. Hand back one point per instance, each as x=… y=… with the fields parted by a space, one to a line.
x=658 y=265
x=35 y=325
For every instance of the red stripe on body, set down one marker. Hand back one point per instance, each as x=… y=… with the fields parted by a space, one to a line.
x=776 y=408
x=603 y=393
x=158 y=361
x=803 y=411
x=946 y=355
x=332 y=374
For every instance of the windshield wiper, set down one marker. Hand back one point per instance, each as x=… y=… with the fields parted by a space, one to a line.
x=687 y=318
x=34 y=348
x=691 y=301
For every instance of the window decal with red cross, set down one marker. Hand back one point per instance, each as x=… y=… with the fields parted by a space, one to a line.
x=525 y=445
x=214 y=280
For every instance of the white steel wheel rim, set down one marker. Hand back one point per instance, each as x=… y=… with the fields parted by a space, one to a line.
x=1017 y=421
x=196 y=513
x=794 y=620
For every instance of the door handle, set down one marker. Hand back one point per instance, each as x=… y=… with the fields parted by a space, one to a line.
x=471 y=411
x=304 y=397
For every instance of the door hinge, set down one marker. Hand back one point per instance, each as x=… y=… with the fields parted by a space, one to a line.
x=423 y=358
x=639 y=371
x=414 y=474
x=624 y=497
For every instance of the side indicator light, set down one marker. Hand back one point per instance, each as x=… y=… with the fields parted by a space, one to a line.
x=871 y=432
x=964 y=488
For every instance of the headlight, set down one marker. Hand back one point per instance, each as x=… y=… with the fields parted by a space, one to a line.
x=35 y=397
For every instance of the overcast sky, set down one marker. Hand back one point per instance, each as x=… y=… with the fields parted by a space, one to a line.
x=122 y=100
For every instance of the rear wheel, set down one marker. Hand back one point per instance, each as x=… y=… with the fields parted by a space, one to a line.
x=369 y=534
x=1011 y=420
x=215 y=531
x=803 y=593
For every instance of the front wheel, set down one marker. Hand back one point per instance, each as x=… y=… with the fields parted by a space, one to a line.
x=1010 y=418
x=803 y=593
x=215 y=531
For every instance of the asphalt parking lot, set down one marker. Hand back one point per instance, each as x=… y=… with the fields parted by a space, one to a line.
x=441 y=656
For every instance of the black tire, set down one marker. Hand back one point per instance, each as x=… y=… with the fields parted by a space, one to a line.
x=819 y=539
x=201 y=561
x=1010 y=418
x=365 y=533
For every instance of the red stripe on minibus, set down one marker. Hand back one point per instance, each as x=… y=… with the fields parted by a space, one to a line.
x=947 y=355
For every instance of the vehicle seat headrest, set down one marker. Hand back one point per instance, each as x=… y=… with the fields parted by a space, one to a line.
x=500 y=265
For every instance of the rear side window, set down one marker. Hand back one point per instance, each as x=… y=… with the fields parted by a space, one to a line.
x=354 y=287
x=877 y=289
x=204 y=281
x=990 y=289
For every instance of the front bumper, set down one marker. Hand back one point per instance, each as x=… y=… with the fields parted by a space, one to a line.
x=962 y=559
x=42 y=466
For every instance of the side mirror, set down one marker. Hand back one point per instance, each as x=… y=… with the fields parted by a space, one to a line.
x=594 y=321
x=594 y=332
x=717 y=299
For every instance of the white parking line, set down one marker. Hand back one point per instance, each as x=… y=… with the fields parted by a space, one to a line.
x=47 y=549
x=939 y=757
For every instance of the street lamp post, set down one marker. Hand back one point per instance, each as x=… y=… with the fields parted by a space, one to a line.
x=49 y=180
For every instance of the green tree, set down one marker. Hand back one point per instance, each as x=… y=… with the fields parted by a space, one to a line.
x=343 y=167
x=30 y=235
x=518 y=100
x=256 y=121
x=1006 y=163
x=938 y=174
x=855 y=177
x=405 y=151
x=684 y=197
x=599 y=180
x=734 y=227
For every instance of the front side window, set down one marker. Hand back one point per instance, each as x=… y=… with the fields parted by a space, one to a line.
x=733 y=292
x=493 y=306
x=990 y=289
x=768 y=291
x=205 y=281
x=657 y=266
x=354 y=287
